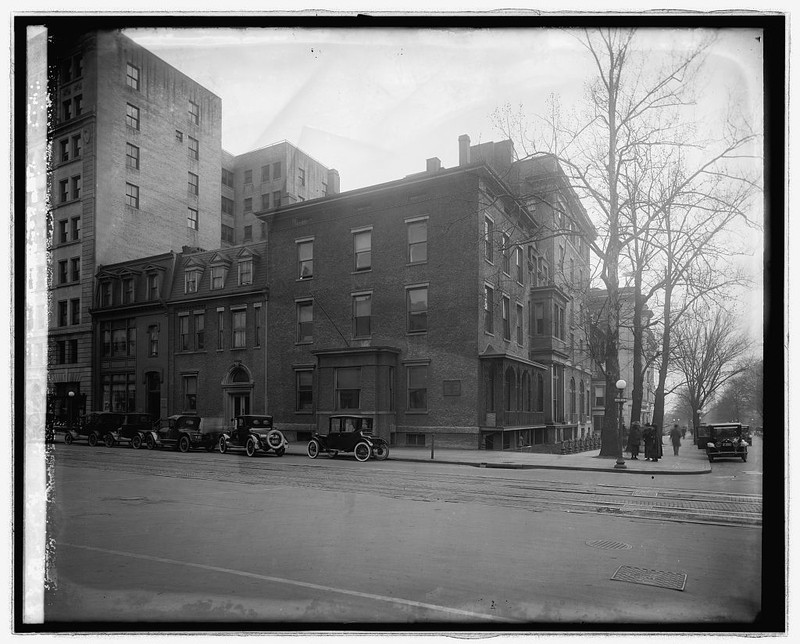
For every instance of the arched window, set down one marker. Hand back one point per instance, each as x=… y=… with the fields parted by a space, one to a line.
x=572 y=396
x=539 y=392
x=582 y=405
x=510 y=385
x=526 y=390
x=239 y=375
x=489 y=387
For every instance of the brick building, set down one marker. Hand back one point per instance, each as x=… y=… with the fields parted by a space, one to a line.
x=134 y=171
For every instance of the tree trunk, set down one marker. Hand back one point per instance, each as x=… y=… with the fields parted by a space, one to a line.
x=658 y=404
x=638 y=350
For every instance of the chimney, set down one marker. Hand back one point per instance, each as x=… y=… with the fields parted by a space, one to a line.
x=433 y=164
x=463 y=149
x=333 y=182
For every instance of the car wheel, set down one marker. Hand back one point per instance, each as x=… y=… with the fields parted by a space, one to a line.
x=136 y=441
x=381 y=451
x=223 y=445
x=362 y=451
x=251 y=448
x=184 y=444
x=109 y=440
x=150 y=441
x=313 y=449
x=710 y=458
x=68 y=438
x=274 y=439
x=92 y=440
x=744 y=458
x=280 y=451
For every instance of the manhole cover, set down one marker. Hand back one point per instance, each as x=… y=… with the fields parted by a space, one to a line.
x=673 y=580
x=608 y=545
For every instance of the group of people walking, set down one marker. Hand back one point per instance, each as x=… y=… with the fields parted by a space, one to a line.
x=651 y=437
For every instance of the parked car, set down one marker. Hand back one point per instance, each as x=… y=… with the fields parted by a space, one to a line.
x=93 y=426
x=349 y=434
x=254 y=434
x=181 y=431
x=728 y=440
x=133 y=430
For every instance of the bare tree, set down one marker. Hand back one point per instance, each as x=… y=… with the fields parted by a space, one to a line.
x=710 y=352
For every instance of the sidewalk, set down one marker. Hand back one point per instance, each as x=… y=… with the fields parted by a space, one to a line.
x=690 y=460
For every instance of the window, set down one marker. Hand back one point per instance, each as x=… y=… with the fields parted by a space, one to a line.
x=488 y=309
x=248 y=176
x=248 y=233
x=62 y=272
x=518 y=262
x=538 y=318
x=362 y=315
x=227 y=234
x=417 y=309
x=194 y=149
x=64 y=146
x=417 y=241
x=248 y=204
x=305 y=321
x=227 y=206
x=239 y=329
x=488 y=249
x=558 y=322
x=62 y=313
x=265 y=202
x=61 y=352
x=66 y=110
x=599 y=396
x=506 y=318
x=131 y=195
x=276 y=170
x=217 y=277
x=63 y=231
x=105 y=294
x=245 y=272
x=227 y=178
x=119 y=392
x=179 y=136
x=191 y=218
x=132 y=116
x=152 y=287
x=264 y=173
x=132 y=156
x=581 y=399
x=76 y=228
x=362 y=250
x=304 y=388
x=302 y=176
x=518 y=321
x=152 y=334
x=75 y=264
x=132 y=76
x=191 y=280
x=220 y=329
x=75 y=311
x=194 y=184
x=305 y=259
x=76 y=187
x=183 y=332
x=77 y=103
x=194 y=112
x=506 y=241
x=257 y=324
x=348 y=388
x=190 y=393
x=76 y=146
x=276 y=199
x=63 y=190
x=539 y=392
x=417 y=387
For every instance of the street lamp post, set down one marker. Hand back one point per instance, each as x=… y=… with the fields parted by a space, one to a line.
x=71 y=411
x=620 y=400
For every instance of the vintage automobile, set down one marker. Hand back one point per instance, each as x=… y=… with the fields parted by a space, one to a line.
x=254 y=434
x=93 y=426
x=727 y=440
x=133 y=430
x=181 y=431
x=349 y=434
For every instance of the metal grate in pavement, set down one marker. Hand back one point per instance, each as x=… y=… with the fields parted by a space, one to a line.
x=604 y=544
x=672 y=580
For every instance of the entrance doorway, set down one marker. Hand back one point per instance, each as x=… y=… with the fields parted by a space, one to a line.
x=239 y=404
x=153 y=405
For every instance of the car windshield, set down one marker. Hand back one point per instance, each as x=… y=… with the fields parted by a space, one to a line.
x=189 y=422
x=726 y=432
x=350 y=424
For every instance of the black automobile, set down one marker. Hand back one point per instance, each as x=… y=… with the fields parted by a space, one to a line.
x=181 y=431
x=255 y=434
x=349 y=434
x=93 y=426
x=728 y=440
x=133 y=430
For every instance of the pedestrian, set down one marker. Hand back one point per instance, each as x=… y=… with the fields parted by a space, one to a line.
x=635 y=439
x=675 y=437
x=652 y=443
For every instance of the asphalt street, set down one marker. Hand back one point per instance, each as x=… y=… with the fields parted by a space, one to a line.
x=143 y=537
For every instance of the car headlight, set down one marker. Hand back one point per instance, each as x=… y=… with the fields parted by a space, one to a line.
x=711 y=445
x=743 y=444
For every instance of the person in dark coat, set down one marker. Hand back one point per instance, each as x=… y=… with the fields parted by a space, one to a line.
x=675 y=437
x=635 y=439
x=652 y=443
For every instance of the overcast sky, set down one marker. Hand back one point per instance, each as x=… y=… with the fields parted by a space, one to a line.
x=376 y=103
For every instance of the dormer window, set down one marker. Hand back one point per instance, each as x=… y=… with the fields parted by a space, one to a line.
x=105 y=294
x=245 y=272
x=192 y=277
x=217 y=277
x=152 y=287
